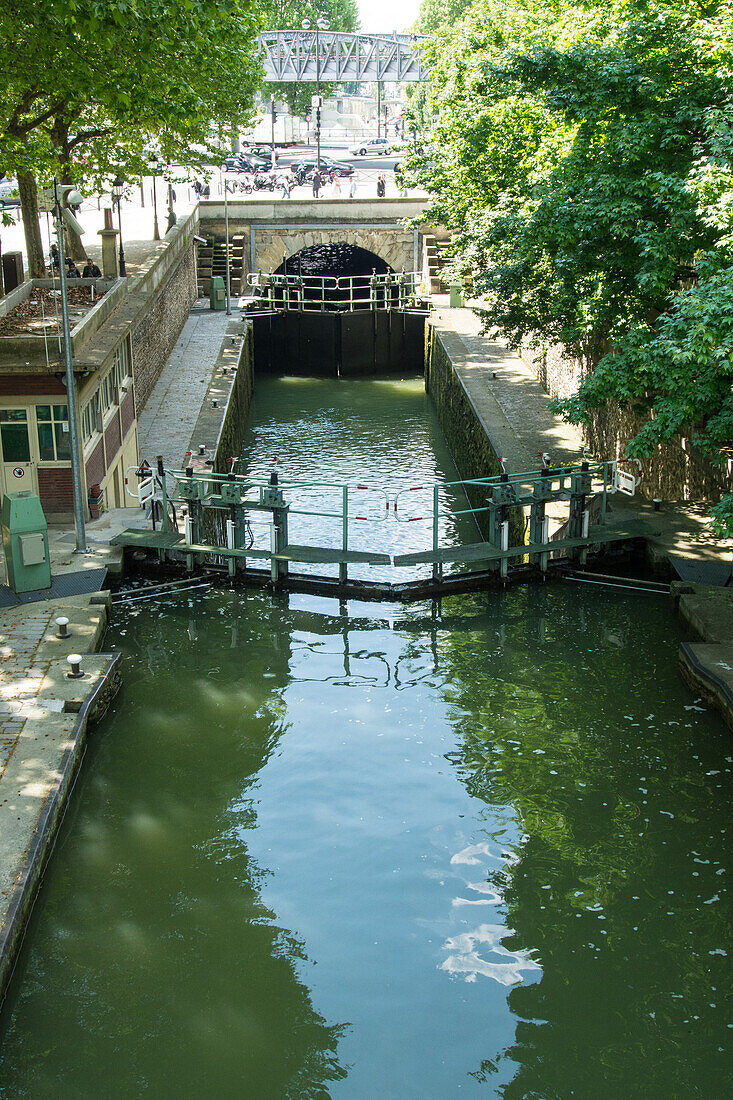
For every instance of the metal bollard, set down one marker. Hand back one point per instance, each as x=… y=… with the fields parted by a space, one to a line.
x=63 y=627
x=74 y=662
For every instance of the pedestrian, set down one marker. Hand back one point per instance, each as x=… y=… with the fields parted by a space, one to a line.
x=286 y=188
x=172 y=219
x=73 y=272
x=198 y=188
x=55 y=258
x=91 y=271
x=336 y=187
x=381 y=188
x=352 y=188
x=206 y=190
x=316 y=184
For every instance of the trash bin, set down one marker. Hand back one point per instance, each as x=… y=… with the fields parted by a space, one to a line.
x=217 y=293
x=25 y=542
x=456 y=295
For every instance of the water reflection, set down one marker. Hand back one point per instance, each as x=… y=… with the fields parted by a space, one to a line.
x=153 y=966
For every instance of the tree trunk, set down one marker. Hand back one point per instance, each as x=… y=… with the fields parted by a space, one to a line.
x=29 y=206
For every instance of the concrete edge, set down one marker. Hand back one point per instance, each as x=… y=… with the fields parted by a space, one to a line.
x=700 y=679
x=49 y=820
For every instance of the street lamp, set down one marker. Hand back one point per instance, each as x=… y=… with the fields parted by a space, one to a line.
x=118 y=188
x=153 y=162
x=322 y=24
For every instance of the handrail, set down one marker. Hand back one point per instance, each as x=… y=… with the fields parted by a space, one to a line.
x=319 y=293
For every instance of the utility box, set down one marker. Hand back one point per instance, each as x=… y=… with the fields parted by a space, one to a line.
x=217 y=293
x=13 y=274
x=456 y=295
x=25 y=542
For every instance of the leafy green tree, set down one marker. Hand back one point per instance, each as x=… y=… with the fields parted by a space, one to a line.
x=582 y=161
x=99 y=80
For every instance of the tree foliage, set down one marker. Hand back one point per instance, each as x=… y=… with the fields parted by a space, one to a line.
x=582 y=159
x=99 y=80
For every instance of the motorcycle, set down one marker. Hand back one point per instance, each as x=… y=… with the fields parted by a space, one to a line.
x=263 y=182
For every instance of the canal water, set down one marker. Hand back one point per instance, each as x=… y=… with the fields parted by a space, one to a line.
x=360 y=850
x=381 y=438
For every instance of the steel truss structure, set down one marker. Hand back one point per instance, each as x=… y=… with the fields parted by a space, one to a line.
x=290 y=56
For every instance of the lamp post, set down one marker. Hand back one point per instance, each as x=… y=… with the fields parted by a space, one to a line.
x=226 y=243
x=322 y=24
x=118 y=187
x=153 y=162
x=76 y=481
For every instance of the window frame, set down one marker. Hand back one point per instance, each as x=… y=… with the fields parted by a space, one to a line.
x=52 y=405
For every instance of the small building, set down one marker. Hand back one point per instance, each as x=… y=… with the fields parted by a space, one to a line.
x=122 y=332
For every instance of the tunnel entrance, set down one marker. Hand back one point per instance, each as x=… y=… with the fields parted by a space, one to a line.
x=336 y=275
x=342 y=333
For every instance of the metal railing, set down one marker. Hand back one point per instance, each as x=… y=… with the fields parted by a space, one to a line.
x=335 y=293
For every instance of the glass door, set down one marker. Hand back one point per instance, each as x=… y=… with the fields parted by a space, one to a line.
x=19 y=470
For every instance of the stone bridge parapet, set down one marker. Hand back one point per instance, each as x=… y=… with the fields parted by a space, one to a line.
x=277 y=229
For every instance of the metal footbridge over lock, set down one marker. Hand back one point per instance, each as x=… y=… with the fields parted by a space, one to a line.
x=221 y=510
x=292 y=55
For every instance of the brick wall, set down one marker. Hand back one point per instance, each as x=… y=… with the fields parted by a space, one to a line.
x=55 y=489
x=676 y=471
x=95 y=465
x=155 y=336
x=112 y=439
x=29 y=385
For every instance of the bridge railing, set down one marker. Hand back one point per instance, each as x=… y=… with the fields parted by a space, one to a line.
x=335 y=293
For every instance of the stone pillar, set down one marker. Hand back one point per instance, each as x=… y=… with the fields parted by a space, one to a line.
x=109 y=253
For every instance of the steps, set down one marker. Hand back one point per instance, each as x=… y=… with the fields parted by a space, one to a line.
x=435 y=256
x=212 y=260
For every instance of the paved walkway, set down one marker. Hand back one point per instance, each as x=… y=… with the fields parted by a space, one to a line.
x=505 y=393
x=166 y=424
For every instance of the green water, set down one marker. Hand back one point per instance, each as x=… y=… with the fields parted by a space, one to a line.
x=382 y=439
x=381 y=851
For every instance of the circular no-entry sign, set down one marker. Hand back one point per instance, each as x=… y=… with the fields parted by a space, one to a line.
x=18 y=471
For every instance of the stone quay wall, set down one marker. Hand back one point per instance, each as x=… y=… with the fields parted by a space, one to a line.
x=676 y=471
x=469 y=444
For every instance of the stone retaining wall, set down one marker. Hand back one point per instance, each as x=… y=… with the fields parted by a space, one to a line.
x=469 y=444
x=676 y=471
x=155 y=336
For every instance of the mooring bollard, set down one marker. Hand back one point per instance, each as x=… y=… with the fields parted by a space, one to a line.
x=74 y=662
x=63 y=627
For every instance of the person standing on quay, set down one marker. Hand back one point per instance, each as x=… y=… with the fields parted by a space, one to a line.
x=352 y=188
x=316 y=184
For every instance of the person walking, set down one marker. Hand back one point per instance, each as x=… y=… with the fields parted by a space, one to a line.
x=316 y=184
x=380 y=187
x=336 y=187
x=206 y=191
x=352 y=187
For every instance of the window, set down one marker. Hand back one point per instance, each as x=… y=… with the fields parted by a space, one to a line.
x=91 y=420
x=108 y=392
x=121 y=364
x=52 y=423
x=14 y=434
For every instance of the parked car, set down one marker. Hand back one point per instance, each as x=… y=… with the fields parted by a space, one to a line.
x=259 y=151
x=9 y=194
x=245 y=162
x=374 y=147
x=306 y=166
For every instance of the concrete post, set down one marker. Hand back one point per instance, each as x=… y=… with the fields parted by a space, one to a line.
x=109 y=252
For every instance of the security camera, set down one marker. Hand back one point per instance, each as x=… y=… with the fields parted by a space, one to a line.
x=71 y=221
x=200 y=240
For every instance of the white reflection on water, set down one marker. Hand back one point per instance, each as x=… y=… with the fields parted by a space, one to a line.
x=466 y=962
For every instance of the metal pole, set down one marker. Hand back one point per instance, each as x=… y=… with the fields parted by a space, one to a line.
x=81 y=537
x=156 y=231
x=318 y=103
x=272 y=120
x=123 y=270
x=343 y=568
x=226 y=239
x=379 y=108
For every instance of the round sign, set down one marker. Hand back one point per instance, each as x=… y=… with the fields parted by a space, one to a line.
x=18 y=471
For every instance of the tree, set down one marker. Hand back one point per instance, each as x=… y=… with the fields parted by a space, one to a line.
x=99 y=80
x=582 y=161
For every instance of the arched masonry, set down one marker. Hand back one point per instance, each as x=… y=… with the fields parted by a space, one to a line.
x=267 y=230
